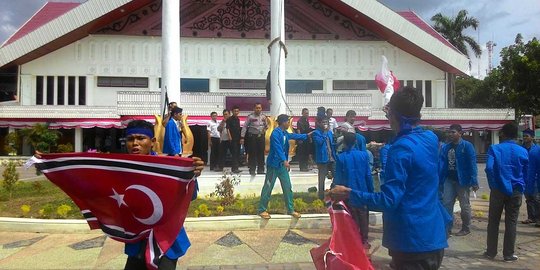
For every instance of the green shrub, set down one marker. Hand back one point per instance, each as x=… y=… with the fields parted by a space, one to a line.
x=225 y=189
x=485 y=196
x=300 y=205
x=312 y=190
x=318 y=205
x=37 y=186
x=46 y=211
x=25 y=208
x=63 y=210
x=204 y=211
x=11 y=176
x=219 y=210
x=64 y=148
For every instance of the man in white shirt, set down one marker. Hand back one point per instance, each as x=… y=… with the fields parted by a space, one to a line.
x=331 y=120
x=213 y=141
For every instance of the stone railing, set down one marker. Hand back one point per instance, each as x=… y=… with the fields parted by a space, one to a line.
x=147 y=103
x=58 y=111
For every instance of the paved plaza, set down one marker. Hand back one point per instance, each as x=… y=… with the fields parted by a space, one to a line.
x=268 y=247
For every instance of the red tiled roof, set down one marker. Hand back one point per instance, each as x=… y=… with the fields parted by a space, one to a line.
x=412 y=17
x=47 y=13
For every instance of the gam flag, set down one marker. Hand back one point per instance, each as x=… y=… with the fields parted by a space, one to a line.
x=131 y=198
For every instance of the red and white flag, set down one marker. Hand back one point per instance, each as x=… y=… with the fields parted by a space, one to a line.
x=386 y=81
x=129 y=197
x=344 y=250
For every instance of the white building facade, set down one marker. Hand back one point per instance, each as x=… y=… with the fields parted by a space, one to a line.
x=98 y=64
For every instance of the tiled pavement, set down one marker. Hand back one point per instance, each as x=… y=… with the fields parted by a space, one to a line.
x=254 y=249
x=260 y=249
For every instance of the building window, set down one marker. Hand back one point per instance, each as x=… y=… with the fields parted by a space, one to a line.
x=61 y=88
x=303 y=86
x=52 y=90
x=133 y=82
x=428 y=97
x=354 y=85
x=39 y=90
x=242 y=84
x=82 y=90
x=410 y=83
x=71 y=90
x=195 y=85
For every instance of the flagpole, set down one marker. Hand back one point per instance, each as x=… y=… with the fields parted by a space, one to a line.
x=170 y=55
x=277 y=58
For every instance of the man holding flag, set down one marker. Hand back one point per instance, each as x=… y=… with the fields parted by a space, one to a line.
x=138 y=199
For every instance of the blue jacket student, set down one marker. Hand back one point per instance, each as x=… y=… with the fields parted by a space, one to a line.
x=465 y=163
x=279 y=147
x=319 y=140
x=414 y=219
x=360 y=142
x=172 y=139
x=383 y=157
x=533 y=175
x=352 y=170
x=503 y=167
x=531 y=182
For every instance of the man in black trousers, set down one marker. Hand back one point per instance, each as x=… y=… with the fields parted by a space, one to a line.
x=233 y=125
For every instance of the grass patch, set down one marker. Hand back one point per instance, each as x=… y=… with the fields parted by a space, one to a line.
x=44 y=200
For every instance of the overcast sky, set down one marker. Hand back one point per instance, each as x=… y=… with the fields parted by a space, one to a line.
x=500 y=20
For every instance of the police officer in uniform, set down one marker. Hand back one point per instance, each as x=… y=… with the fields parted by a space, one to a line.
x=253 y=133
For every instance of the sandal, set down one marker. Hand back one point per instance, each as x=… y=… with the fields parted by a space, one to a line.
x=265 y=215
x=528 y=221
x=295 y=215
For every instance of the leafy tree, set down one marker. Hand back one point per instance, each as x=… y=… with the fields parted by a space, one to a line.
x=10 y=177
x=519 y=75
x=452 y=28
x=475 y=93
x=41 y=137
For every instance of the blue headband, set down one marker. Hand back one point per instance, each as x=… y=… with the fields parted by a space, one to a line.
x=143 y=131
x=406 y=124
x=528 y=132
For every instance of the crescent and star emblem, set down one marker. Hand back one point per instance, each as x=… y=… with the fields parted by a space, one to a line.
x=157 y=206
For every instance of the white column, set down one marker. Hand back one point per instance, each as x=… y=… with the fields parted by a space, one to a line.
x=78 y=139
x=170 y=56
x=277 y=58
x=494 y=136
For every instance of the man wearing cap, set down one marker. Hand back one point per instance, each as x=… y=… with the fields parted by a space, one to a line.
x=253 y=131
x=278 y=167
x=458 y=174
x=531 y=192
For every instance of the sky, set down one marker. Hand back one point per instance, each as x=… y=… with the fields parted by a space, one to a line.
x=500 y=20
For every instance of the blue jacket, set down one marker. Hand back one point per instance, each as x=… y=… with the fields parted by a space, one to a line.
x=533 y=175
x=279 y=146
x=506 y=167
x=467 y=170
x=172 y=140
x=383 y=156
x=360 y=142
x=319 y=141
x=413 y=219
x=530 y=181
x=352 y=170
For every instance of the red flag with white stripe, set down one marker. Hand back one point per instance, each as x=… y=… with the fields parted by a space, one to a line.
x=129 y=197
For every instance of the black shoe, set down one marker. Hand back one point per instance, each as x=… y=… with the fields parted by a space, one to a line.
x=511 y=258
x=237 y=171
x=462 y=233
x=487 y=256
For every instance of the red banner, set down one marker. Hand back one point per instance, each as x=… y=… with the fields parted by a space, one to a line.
x=129 y=197
x=344 y=250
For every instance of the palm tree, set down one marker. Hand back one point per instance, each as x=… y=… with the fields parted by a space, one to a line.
x=452 y=29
